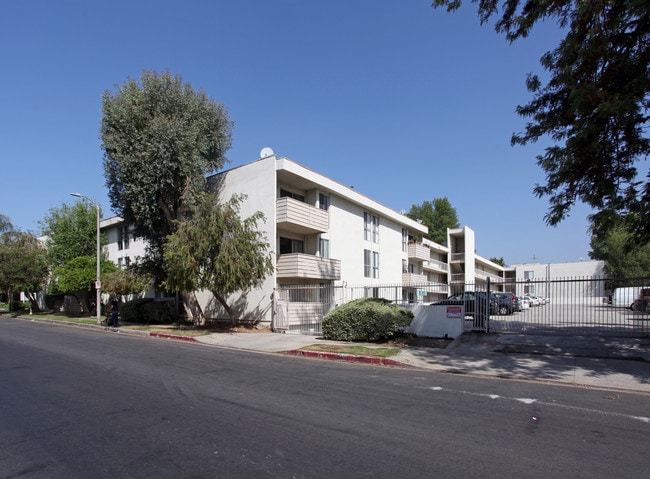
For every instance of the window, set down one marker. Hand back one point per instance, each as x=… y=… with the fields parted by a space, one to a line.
x=528 y=275
x=375 y=264
x=123 y=238
x=405 y=240
x=366 y=263
x=324 y=247
x=370 y=223
x=323 y=202
x=375 y=229
x=404 y=266
x=288 y=245
x=291 y=194
x=367 y=219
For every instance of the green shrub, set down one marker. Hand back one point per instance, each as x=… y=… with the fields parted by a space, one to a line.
x=147 y=311
x=366 y=319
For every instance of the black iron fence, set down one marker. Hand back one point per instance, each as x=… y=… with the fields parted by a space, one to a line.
x=568 y=306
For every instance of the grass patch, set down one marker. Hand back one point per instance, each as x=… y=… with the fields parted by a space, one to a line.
x=352 y=349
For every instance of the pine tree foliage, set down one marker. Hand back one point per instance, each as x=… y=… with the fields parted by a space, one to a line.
x=594 y=108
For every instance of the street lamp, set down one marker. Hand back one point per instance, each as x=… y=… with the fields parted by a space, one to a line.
x=98 y=283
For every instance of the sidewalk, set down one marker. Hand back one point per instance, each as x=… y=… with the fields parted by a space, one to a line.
x=606 y=363
x=610 y=363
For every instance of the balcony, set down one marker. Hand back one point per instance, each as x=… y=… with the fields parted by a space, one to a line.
x=307 y=266
x=458 y=257
x=435 y=265
x=298 y=217
x=418 y=251
x=413 y=279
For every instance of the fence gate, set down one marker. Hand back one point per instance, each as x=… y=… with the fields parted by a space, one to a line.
x=300 y=309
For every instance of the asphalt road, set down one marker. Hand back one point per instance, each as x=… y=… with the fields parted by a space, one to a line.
x=77 y=403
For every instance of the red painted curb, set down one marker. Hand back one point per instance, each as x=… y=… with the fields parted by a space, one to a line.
x=345 y=357
x=172 y=336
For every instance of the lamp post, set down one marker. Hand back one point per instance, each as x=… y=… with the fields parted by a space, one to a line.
x=98 y=283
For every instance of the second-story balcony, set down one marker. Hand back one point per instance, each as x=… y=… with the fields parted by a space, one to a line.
x=418 y=251
x=307 y=266
x=298 y=217
x=435 y=265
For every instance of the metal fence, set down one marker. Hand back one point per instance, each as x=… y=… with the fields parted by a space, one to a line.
x=570 y=306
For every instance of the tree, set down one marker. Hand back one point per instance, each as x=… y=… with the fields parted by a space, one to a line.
x=5 y=224
x=437 y=215
x=594 y=106
x=78 y=275
x=160 y=139
x=218 y=251
x=71 y=232
x=125 y=281
x=622 y=258
x=499 y=261
x=23 y=265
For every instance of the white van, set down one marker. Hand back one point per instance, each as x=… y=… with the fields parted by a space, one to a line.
x=625 y=297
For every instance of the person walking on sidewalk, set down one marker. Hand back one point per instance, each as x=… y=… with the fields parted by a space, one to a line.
x=115 y=305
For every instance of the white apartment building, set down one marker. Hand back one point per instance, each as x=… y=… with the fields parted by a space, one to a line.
x=323 y=233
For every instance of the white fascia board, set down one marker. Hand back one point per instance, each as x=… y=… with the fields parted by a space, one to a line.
x=112 y=221
x=435 y=246
x=327 y=184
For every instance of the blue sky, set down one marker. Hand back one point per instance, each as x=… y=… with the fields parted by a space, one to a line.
x=402 y=101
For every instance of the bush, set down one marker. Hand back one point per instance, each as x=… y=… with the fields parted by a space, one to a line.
x=367 y=319
x=147 y=311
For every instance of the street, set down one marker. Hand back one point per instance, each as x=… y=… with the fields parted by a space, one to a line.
x=78 y=403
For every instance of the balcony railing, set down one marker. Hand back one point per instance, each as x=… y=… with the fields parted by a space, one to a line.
x=299 y=217
x=307 y=266
x=435 y=265
x=419 y=252
x=413 y=279
x=457 y=257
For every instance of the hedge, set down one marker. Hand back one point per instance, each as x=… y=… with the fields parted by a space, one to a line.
x=366 y=319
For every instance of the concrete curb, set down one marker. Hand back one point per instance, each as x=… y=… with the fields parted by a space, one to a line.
x=189 y=339
x=346 y=357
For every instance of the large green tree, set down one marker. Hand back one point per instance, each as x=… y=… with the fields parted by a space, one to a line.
x=160 y=138
x=23 y=265
x=218 y=251
x=622 y=257
x=437 y=215
x=77 y=277
x=594 y=107
x=70 y=231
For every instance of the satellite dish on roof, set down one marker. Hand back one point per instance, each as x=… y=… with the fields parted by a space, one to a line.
x=266 y=152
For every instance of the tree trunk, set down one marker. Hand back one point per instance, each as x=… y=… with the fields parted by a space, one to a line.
x=228 y=309
x=34 y=302
x=193 y=308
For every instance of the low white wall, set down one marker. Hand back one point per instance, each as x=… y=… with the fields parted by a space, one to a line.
x=437 y=321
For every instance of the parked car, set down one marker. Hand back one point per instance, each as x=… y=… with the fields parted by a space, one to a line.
x=536 y=300
x=524 y=302
x=642 y=303
x=507 y=303
x=468 y=299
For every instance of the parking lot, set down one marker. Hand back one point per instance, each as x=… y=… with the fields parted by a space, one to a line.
x=587 y=317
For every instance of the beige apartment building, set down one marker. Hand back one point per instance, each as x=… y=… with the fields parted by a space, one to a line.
x=327 y=239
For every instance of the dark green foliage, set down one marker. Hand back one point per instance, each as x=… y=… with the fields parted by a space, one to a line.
x=437 y=215
x=160 y=138
x=147 y=311
x=54 y=302
x=367 y=319
x=594 y=107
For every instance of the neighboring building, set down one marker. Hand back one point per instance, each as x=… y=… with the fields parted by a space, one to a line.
x=561 y=282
